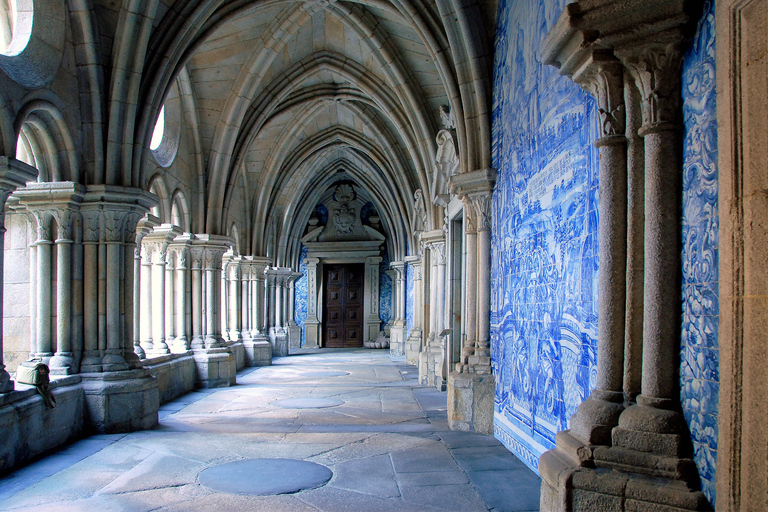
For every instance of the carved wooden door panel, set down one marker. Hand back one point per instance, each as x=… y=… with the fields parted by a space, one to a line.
x=343 y=311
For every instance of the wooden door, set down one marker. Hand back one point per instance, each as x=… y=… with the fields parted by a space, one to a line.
x=343 y=311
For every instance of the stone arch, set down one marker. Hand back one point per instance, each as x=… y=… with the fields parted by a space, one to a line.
x=180 y=211
x=46 y=140
x=163 y=209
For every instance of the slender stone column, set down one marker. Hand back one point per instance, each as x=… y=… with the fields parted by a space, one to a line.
x=278 y=305
x=234 y=306
x=181 y=342
x=13 y=174
x=602 y=75
x=197 y=298
x=146 y=298
x=470 y=295
x=43 y=244
x=656 y=70
x=439 y=254
x=140 y=283
x=245 y=301
x=113 y=359
x=256 y=301
x=471 y=386
x=158 y=306
x=413 y=342
x=397 y=331
x=212 y=293
x=91 y=235
x=63 y=360
x=32 y=226
x=170 y=298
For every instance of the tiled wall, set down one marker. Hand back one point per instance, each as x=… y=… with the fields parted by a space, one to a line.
x=700 y=357
x=301 y=297
x=544 y=245
x=385 y=291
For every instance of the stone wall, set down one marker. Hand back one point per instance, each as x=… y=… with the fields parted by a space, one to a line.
x=699 y=372
x=544 y=246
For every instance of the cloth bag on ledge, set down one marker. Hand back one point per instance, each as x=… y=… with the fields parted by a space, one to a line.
x=36 y=373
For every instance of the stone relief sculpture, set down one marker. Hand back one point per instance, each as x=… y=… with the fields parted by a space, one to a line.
x=446 y=159
x=419 y=219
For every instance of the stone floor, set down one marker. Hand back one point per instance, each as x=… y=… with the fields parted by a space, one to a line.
x=358 y=412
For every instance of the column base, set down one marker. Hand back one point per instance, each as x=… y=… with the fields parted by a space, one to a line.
x=114 y=363
x=216 y=367
x=121 y=401
x=238 y=349
x=294 y=336
x=62 y=364
x=279 y=341
x=91 y=363
x=397 y=340
x=431 y=360
x=413 y=346
x=596 y=417
x=647 y=468
x=258 y=351
x=180 y=345
x=470 y=402
x=6 y=384
x=311 y=334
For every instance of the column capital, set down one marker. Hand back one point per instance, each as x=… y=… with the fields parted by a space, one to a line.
x=472 y=183
x=14 y=174
x=46 y=202
x=208 y=250
x=482 y=209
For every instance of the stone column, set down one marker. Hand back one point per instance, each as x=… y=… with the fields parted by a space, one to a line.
x=63 y=361
x=180 y=250
x=13 y=174
x=258 y=350
x=245 y=301
x=197 y=297
x=390 y=272
x=431 y=356
x=470 y=295
x=372 y=320
x=599 y=72
x=312 y=323
x=91 y=235
x=413 y=343
x=233 y=270
x=141 y=281
x=656 y=70
x=161 y=301
x=397 y=331
x=215 y=361
x=439 y=252
x=471 y=386
x=44 y=348
x=145 y=299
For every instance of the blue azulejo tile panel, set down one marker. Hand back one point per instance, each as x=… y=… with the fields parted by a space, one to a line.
x=409 y=295
x=301 y=296
x=544 y=236
x=385 y=291
x=699 y=355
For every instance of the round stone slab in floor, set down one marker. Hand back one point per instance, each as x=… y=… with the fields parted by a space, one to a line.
x=307 y=403
x=265 y=477
x=329 y=373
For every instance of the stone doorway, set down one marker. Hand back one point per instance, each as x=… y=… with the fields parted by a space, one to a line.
x=343 y=311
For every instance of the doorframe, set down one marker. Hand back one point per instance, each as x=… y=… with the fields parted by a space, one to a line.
x=322 y=306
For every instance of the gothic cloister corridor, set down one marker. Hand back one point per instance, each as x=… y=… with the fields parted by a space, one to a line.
x=387 y=443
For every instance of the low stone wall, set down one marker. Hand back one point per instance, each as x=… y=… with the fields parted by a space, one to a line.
x=175 y=374
x=30 y=428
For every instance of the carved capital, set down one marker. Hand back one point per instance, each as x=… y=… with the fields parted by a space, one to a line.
x=43 y=220
x=112 y=223
x=604 y=80
x=470 y=218
x=656 y=71
x=197 y=254
x=438 y=252
x=482 y=205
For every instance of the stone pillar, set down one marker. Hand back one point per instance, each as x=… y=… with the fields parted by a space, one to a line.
x=44 y=345
x=13 y=174
x=372 y=320
x=232 y=272
x=63 y=361
x=246 y=317
x=397 y=331
x=390 y=272
x=413 y=343
x=312 y=323
x=216 y=363
x=258 y=350
x=431 y=357
x=92 y=354
x=649 y=440
x=124 y=396
x=654 y=424
x=276 y=282
x=470 y=296
x=197 y=297
x=471 y=386
x=179 y=250
x=140 y=282
x=159 y=290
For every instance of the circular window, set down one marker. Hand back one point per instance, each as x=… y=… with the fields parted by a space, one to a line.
x=15 y=26
x=157 y=134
